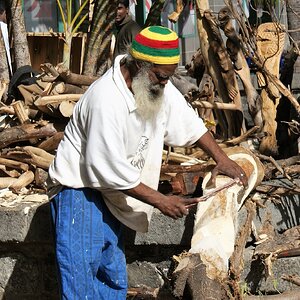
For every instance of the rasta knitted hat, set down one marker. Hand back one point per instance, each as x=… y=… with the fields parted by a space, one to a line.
x=156 y=44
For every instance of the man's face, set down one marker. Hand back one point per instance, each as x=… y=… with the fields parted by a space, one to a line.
x=122 y=11
x=148 y=88
x=159 y=76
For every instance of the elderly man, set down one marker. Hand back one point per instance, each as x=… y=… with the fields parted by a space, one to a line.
x=108 y=164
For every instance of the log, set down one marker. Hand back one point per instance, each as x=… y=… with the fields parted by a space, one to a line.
x=5 y=182
x=73 y=78
x=25 y=179
x=25 y=132
x=20 y=112
x=66 y=88
x=51 y=143
x=56 y=99
x=30 y=155
x=214 y=231
x=66 y=108
x=293 y=295
x=12 y=173
x=14 y=164
x=40 y=177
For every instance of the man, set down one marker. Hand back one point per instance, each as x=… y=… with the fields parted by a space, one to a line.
x=109 y=164
x=126 y=28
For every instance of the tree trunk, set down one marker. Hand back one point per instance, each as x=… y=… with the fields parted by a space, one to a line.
x=21 y=50
x=4 y=72
x=153 y=17
x=215 y=57
x=100 y=37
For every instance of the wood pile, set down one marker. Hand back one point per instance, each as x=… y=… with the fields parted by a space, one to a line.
x=32 y=126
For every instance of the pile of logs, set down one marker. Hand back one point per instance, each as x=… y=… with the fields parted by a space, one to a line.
x=32 y=127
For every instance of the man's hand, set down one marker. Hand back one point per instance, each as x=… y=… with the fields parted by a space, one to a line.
x=171 y=206
x=175 y=206
x=230 y=168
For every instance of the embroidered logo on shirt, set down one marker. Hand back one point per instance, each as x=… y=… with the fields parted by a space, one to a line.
x=139 y=159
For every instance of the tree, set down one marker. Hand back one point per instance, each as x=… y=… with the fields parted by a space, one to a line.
x=99 y=39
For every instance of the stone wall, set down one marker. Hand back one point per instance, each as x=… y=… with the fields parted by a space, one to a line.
x=27 y=261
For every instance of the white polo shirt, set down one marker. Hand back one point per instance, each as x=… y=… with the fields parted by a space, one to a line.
x=107 y=146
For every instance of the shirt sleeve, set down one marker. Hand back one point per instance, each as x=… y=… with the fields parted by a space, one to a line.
x=183 y=126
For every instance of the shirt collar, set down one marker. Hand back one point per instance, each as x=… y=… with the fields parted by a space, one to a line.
x=121 y=84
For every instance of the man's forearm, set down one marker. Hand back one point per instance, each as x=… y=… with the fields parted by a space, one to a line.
x=210 y=146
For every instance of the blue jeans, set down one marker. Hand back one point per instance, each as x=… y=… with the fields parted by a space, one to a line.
x=89 y=247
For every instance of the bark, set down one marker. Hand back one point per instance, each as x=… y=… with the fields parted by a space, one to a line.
x=270 y=46
x=174 y=16
x=52 y=142
x=153 y=17
x=24 y=180
x=30 y=155
x=14 y=164
x=21 y=50
x=24 y=133
x=214 y=55
x=202 y=272
x=4 y=69
x=100 y=37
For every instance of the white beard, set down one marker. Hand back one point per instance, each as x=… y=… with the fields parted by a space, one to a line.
x=148 y=98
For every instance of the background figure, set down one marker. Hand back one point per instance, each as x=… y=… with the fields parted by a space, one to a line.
x=106 y=170
x=126 y=28
x=4 y=30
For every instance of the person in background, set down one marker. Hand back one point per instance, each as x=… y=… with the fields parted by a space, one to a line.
x=126 y=28
x=106 y=170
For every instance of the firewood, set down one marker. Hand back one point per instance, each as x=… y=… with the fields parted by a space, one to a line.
x=5 y=182
x=215 y=105
x=14 y=164
x=73 y=78
x=66 y=108
x=143 y=292
x=12 y=173
x=56 y=99
x=30 y=155
x=66 y=88
x=25 y=132
x=25 y=179
x=20 y=112
x=292 y=295
x=291 y=278
x=40 y=177
x=52 y=142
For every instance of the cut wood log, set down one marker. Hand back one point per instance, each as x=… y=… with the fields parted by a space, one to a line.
x=270 y=45
x=9 y=172
x=25 y=132
x=66 y=88
x=51 y=143
x=20 y=112
x=40 y=177
x=14 y=164
x=292 y=295
x=31 y=155
x=66 y=108
x=73 y=78
x=215 y=227
x=6 y=182
x=24 y=180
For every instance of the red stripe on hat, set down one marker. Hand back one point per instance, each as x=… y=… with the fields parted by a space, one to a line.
x=156 y=43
